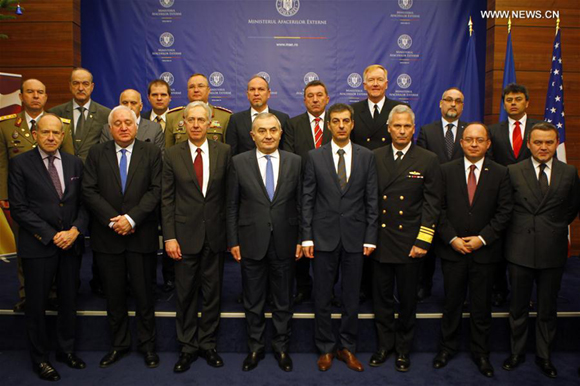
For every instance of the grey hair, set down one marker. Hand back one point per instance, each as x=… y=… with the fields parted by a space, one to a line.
x=401 y=109
x=196 y=104
x=121 y=108
x=263 y=116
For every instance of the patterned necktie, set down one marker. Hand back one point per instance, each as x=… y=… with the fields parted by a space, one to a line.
x=123 y=169
x=399 y=158
x=449 y=142
x=471 y=183
x=198 y=166
x=517 y=139
x=161 y=122
x=376 y=113
x=54 y=175
x=80 y=123
x=269 y=177
x=317 y=133
x=543 y=180
x=341 y=169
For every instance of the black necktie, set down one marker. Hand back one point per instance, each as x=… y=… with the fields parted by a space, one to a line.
x=399 y=158
x=449 y=142
x=543 y=180
x=376 y=113
x=341 y=169
x=32 y=125
x=80 y=124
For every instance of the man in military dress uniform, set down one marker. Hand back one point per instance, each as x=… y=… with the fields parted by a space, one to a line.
x=197 y=90
x=16 y=138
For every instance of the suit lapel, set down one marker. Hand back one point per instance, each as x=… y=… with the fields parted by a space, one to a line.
x=135 y=162
x=483 y=181
x=111 y=156
x=281 y=172
x=255 y=168
x=67 y=173
x=213 y=160
x=406 y=163
x=531 y=179
x=367 y=117
x=26 y=134
x=556 y=177
x=328 y=157
x=41 y=170
x=389 y=163
x=353 y=167
x=89 y=121
x=309 y=139
x=462 y=182
x=187 y=159
x=458 y=136
x=505 y=133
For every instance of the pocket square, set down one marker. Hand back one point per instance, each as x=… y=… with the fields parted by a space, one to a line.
x=74 y=178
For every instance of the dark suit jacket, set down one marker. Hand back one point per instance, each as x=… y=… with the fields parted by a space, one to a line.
x=329 y=215
x=368 y=134
x=239 y=127
x=431 y=137
x=501 y=149
x=537 y=236
x=97 y=117
x=102 y=195
x=147 y=132
x=487 y=217
x=298 y=137
x=186 y=214
x=36 y=207
x=252 y=218
x=409 y=203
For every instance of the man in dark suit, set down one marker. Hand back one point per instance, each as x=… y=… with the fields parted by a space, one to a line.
x=442 y=138
x=476 y=208
x=264 y=194
x=122 y=189
x=159 y=96
x=240 y=125
x=508 y=147
x=193 y=214
x=339 y=214
x=88 y=124
x=45 y=194
x=409 y=187
x=303 y=133
x=370 y=131
x=147 y=131
x=536 y=245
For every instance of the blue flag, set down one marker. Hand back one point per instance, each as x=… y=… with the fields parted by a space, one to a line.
x=554 y=112
x=509 y=74
x=470 y=84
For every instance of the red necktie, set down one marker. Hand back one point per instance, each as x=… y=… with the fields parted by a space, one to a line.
x=317 y=133
x=517 y=139
x=471 y=184
x=198 y=166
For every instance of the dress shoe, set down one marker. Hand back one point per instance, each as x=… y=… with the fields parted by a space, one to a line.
x=168 y=286
x=301 y=297
x=252 y=360
x=423 y=293
x=46 y=372
x=19 y=307
x=71 y=360
x=484 y=366
x=402 y=363
x=212 y=357
x=513 y=361
x=284 y=360
x=350 y=360
x=112 y=357
x=547 y=367
x=378 y=358
x=325 y=361
x=498 y=299
x=441 y=359
x=184 y=362
x=151 y=359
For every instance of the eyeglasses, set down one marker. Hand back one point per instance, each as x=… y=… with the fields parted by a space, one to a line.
x=479 y=141
x=451 y=100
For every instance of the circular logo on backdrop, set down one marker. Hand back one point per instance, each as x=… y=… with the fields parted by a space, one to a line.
x=287 y=7
x=354 y=80
x=216 y=79
x=264 y=75
x=404 y=81
x=405 y=42
x=166 y=3
x=405 y=4
x=309 y=77
x=168 y=77
x=166 y=39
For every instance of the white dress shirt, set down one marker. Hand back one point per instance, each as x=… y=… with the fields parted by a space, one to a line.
x=262 y=162
x=477 y=171
x=405 y=150
x=205 y=159
x=453 y=129
x=29 y=119
x=547 y=169
x=347 y=157
x=379 y=104
x=128 y=156
x=153 y=116
x=512 y=126
x=253 y=112
x=57 y=164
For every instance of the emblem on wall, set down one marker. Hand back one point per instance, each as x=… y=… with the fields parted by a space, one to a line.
x=405 y=42
x=287 y=7
x=166 y=39
x=354 y=80
x=216 y=79
x=404 y=81
x=309 y=77
x=168 y=77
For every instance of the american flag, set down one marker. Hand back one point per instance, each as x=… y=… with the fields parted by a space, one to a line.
x=554 y=112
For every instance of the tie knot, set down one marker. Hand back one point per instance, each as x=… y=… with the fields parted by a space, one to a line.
x=158 y=118
x=472 y=168
x=198 y=150
x=268 y=156
x=517 y=123
x=376 y=107
x=81 y=109
x=51 y=159
x=341 y=152
x=123 y=151
x=399 y=153
x=542 y=167
x=450 y=126
x=317 y=119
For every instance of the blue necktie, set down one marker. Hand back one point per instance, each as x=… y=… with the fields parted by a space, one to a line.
x=123 y=169
x=269 y=177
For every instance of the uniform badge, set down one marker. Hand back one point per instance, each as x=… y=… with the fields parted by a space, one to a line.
x=414 y=174
x=18 y=122
x=16 y=150
x=15 y=135
x=215 y=124
x=180 y=124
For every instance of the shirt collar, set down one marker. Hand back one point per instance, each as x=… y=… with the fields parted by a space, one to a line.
x=86 y=105
x=154 y=116
x=380 y=104
x=128 y=148
x=468 y=163
x=252 y=111
x=44 y=155
x=537 y=164
x=522 y=121
x=275 y=154
x=405 y=150
x=204 y=147
x=347 y=149
x=29 y=118
x=455 y=123
x=311 y=117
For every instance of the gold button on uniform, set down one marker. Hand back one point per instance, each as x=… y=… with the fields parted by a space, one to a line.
x=384 y=211
x=384 y=225
x=400 y=227
x=402 y=198
x=384 y=139
x=368 y=139
x=384 y=197
x=401 y=212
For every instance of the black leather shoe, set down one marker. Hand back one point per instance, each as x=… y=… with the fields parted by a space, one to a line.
x=484 y=366
x=151 y=359
x=301 y=297
x=252 y=360
x=402 y=363
x=498 y=299
x=212 y=357
x=112 y=357
x=19 y=307
x=184 y=362
x=547 y=367
x=71 y=360
x=441 y=359
x=168 y=286
x=378 y=358
x=46 y=372
x=284 y=361
x=423 y=293
x=513 y=361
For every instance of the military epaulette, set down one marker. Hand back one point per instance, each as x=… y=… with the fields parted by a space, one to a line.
x=426 y=234
x=175 y=109
x=223 y=109
x=64 y=120
x=5 y=117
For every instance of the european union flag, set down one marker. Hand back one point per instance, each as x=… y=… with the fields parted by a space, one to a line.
x=509 y=72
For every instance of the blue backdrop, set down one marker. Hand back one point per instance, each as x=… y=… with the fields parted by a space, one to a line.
x=127 y=43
